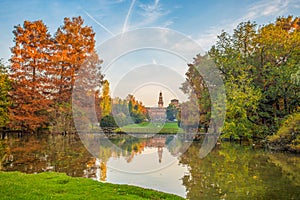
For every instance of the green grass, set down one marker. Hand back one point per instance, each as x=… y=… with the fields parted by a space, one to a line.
x=147 y=127
x=16 y=185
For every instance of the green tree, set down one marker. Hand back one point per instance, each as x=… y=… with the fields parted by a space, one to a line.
x=257 y=66
x=233 y=57
x=108 y=121
x=171 y=112
x=288 y=136
x=277 y=59
x=4 y=99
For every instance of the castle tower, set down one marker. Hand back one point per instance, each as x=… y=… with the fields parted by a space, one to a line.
x=160 y=152
x=160 y=101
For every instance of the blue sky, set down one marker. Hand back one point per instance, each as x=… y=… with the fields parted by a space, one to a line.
x=199 y=20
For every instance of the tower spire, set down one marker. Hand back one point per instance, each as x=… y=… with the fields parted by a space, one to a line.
x=160 y=100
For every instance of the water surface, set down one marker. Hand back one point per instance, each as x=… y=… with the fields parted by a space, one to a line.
x=230 y=171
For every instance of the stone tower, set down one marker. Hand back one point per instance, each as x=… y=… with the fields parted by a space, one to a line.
x=160 y=101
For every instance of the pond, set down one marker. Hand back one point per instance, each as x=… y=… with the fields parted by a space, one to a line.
x=230 y=171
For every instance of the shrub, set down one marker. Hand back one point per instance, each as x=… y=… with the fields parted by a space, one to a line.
x=108 y=121
x=288 y=135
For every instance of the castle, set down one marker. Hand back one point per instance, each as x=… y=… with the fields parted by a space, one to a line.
x=158 y=114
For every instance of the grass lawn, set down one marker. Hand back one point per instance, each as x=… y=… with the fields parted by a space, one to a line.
x=16 y=185
x=147 y=127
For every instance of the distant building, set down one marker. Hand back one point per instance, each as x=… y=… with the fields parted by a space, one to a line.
x=158 y=114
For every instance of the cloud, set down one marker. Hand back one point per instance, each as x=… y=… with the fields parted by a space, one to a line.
x=260 y=9
x=266 y=8
x=151 y=13
x=167 y=23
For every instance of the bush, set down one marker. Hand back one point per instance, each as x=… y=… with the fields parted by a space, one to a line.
x=108 y=121
x=288 y=136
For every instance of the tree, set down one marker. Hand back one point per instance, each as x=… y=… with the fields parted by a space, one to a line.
x=196 y=87
x=108 y=121
x=105 y=102
x=44 y=70
x=30 y=67
x=128 y=111
x=277 y=58
x=137 y=111
x=257 y=66
x=74 y=58
x=73 y=44
x=4 y=98
x=189 y=114
x=233 y=57
x=288 y=135
x=171 y=112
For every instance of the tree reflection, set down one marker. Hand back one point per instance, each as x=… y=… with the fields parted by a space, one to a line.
x=46 y=152
x=235 y=172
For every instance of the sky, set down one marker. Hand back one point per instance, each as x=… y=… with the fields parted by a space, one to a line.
x=200 y=21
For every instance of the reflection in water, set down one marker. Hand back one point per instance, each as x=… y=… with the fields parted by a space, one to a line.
x=237 y=172
x=228 y=172
x=34 y=154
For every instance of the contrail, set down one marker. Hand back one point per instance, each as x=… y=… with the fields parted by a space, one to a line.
x=128 y=15
x=97 y=22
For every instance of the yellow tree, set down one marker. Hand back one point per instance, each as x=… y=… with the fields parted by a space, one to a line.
x=105 y=102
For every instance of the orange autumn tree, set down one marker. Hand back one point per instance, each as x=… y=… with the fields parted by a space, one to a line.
x=31 y=88
x=74 y=43
x=43 y=72
x=74 y=51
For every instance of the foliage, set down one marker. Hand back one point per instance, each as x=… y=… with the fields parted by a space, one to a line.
x=15 y=185
x=4 y=98
x=171 y=112
x=105 y=100
x=137 y=111
x=43 y=72
x=108 y=121
x=129 y=111
x=196 y=87
x=288 y=136
x=30 y=80
x=233 y=56
x=189 y=114
x=258 y=67
x=277 y=58
x=74 y=43
x=242 y=99
x=61 y=119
